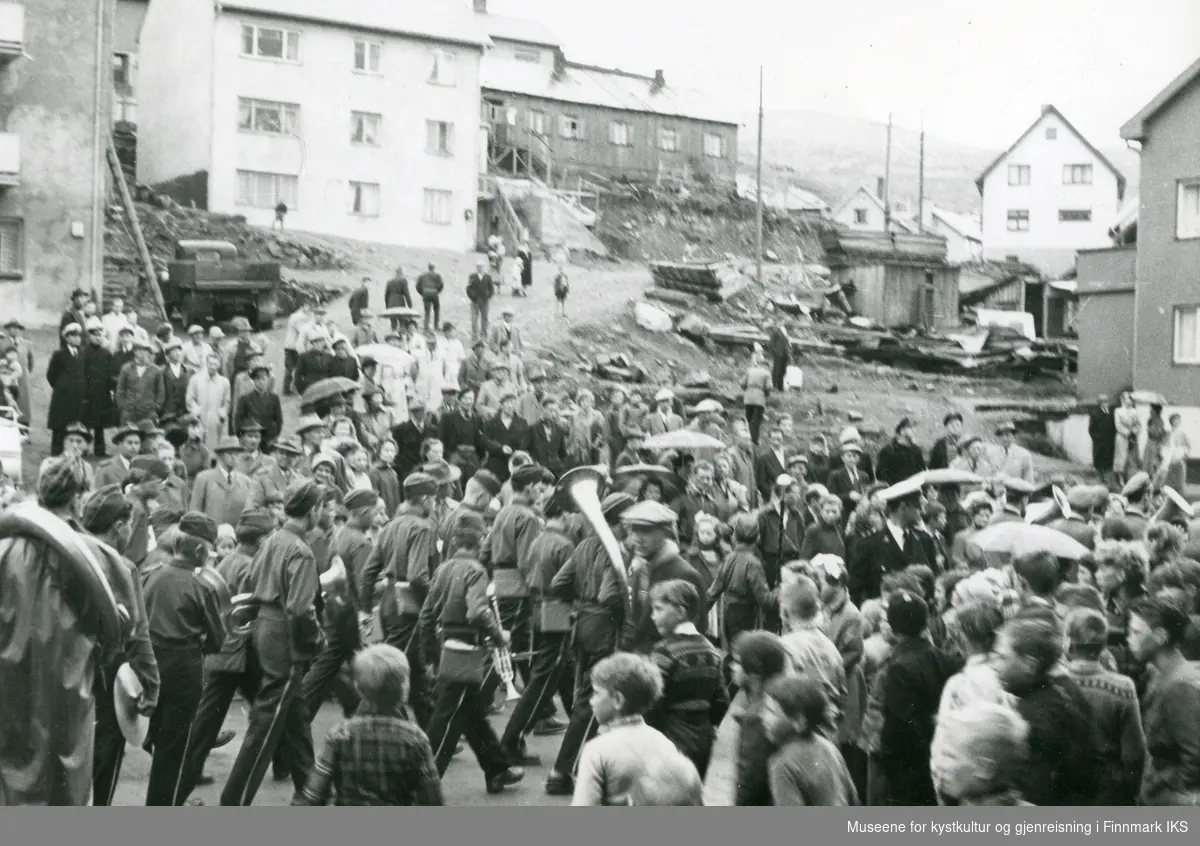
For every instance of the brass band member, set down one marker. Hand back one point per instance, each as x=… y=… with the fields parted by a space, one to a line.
x=481 y=489
x=226 y=672
x=457 y=611
x=185 y=624
x=106 y=515
x=588 y=580
x=405 y=554
x=282 y=643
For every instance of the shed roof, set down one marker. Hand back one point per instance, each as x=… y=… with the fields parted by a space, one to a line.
x=1135 y=128
x=849 y=246
x=963 y=225
x=434 y=20
x=521 y=30
x=592 y=86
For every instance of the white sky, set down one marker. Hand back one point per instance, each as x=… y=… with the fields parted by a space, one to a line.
x=979 y=70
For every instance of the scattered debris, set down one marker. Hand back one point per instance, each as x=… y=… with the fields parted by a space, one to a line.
x=619 y=368
x=715 y=281
x=652 y=318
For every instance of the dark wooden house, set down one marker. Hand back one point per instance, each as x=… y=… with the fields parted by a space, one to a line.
x=894 y=278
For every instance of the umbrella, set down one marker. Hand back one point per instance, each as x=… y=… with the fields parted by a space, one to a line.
x=950 y=476
x=327 y=389
x=1016 y=539
x=401 y=312
x=638 y=472
x=682 y=439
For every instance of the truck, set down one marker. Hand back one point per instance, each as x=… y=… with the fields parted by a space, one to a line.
x=208 y=282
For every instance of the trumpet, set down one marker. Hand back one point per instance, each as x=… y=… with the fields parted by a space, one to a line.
x=501 y=656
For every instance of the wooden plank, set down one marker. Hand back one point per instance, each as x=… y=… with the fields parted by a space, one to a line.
x=114 y=164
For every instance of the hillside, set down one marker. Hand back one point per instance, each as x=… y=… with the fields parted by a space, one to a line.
x=832 y=155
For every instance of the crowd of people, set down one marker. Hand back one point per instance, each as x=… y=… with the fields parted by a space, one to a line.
x=739 y=618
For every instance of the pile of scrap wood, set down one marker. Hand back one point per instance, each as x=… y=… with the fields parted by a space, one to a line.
x=715 y=281
x=741 y=336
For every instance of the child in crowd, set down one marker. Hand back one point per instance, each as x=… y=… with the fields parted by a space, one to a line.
x=672 y=781
x=759 y=658
x=562 y=288
x=807 y=769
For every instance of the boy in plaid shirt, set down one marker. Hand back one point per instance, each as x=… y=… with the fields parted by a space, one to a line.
x=378 y=756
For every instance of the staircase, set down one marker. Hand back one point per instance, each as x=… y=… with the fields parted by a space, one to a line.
x=553 y=219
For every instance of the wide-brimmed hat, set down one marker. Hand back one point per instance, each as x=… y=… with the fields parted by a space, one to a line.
x=229 y=444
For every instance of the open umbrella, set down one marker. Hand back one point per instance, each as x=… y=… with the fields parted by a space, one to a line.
x=1015 y=539
x=671 y=483
x=950 y=476
x=684 y=440
x=327 y=389
x=400 y=312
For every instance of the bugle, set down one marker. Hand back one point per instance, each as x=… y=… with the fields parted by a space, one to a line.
x=583 y=485
x=501 y=655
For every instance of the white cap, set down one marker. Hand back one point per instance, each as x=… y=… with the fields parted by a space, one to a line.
x=784 y=481
x=665 y=394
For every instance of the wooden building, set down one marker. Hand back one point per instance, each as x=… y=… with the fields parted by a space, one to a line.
x=893 y=278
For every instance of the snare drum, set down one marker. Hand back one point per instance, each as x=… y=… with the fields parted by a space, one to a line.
x=552 y=616
x=463 y=663
x=510 y=584
x=407 y=602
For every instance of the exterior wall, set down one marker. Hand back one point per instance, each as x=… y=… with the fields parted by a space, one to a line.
x=861 y=201
x=127 y=27
x=57 y=101
x=327 y=89
x=642 y=158
x=1106 y=334
x=505 y=50
x=1048 y=243
x=958 y=248
x=1166 y=267
x=887 y=293
x=174 y=90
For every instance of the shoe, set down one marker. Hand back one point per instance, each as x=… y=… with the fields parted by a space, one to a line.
x=511 y=776
x=224 y=738
x=205 y=780
x=549 y=726
x=558 y=784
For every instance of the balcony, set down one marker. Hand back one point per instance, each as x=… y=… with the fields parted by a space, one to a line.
x=12 y=31
x=10 y=160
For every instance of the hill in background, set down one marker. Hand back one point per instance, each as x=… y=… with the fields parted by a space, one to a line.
x=832 y=155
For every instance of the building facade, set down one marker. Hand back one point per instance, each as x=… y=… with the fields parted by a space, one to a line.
x=360 y=118
x=1048 y=195
x=55 y=113
x=127 y=28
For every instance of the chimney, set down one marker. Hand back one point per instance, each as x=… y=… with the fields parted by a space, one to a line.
x=880 y=187
x=660 y=82
x=481 y=7
x=560 y=64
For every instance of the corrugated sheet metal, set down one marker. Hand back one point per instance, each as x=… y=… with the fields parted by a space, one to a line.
x=433 y=19
x=590 y=86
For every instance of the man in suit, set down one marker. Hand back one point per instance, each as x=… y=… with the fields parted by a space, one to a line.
x=261 y=406
x=128 y=441
x=1102 y=429
x=547 y=439
x=360 y=300
x=781 y=354
x=663 y=419
x=901 y=458
x=506 y=331
x=66 y=374
x=1018 y=462
x=396 y=295
x=771 y=462
x=899 y=544
x=75 y=312
x=848 y=483
x=175 y=380
x=479 y=293
x=945 y=448
x=223 y=491
x=141 y=390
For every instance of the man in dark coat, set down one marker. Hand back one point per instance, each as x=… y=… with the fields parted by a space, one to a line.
x=479 y=293
x=140 y=393
x=410 y=436
x=781 y=355
x=504 y=434
x=396 y=295
x=100 y=376
x=901 y=458
x=175 y=381
x=67 y=376
x=460 y=431
x=945 y=448
x=430 y=286
x=1102 y=429
x=75 y=312
x=261 y=406
x=360 y=300
x=897 y=545
x=771 y=461
x=548 y=440
x=315 y=363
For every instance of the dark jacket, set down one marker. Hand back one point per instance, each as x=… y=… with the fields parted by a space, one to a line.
x=99 y=410
x=1102 y=429
x=395 y=294
x=548 y=446
x=263 y=409
x=479 y=287
x=767 y=468
x=67 y=376
x=346 y=367
x=408 y=437
x=1063 y=765
x=140 y=397
x=175 y=392
x=842 y=486
x=430 y=285
x=311 y=367
x=942 y=454
x=897 y=462
x=496 y=436
x=879 y=554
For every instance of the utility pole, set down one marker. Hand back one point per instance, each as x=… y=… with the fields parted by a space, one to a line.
x=921 y=182
x=887 y=180
x=758 y=209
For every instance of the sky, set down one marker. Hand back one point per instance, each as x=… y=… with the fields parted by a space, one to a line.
x=978 y=71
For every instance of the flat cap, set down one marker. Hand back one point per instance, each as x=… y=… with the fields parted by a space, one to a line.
x=229 y=443
x=815 y=490
x=951 y=417
x=72 y=329
x=199 y=525
x=1006 y=426
x=1083 y=497
x=648 y=515
x=250 y=426
x=360 y=499
x=322 y=458
x=907 y=613
x=260 y=368
x=125 y=432
x=445 y=472
x=164 y=516
x=153 y=465
x=968 y=442
x=287 y=444
x=309 y=422
x=708 y=406
x=616 y=504
x=420 y=484
x=254 y=522
x=103 y=508
x=526 y=475
x=1137 y=485
x=148 y=428
x=797 y=458
x=852 y=447
x=783 y=480
x=301 y=497
x=905 y=423
x=174 y=344
x=665 y=395
x=487 y=480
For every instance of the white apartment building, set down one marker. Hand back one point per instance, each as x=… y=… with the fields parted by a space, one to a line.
x=1048 y=195
x=360 y=116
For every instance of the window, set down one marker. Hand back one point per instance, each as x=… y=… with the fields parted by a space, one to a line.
x=123 y=73
x=1080 y=174
x=364 y=128
x=12 y=248
x=714 y=146
x=1051 y=133
x=1187 y=211
x=266 y=190
x=364 y=199
x=537 y=122
x=1187 y=335
x=620 y=133
x=1019 y=174
x=668 y=140
x=366 y=55
x=1074 y=215
x=439 y=138
x=437 y=206
x=269 y=117
x=443 y=68
x=1018 y=221
x=527 y=55
x=570 y=127
x=264 y=42
x=860 y=217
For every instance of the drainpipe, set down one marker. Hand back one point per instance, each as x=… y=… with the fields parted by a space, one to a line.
x=99 y=156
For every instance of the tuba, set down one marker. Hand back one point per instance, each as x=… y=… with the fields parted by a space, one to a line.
x=1041 y=513
x=243 y=611
x=1173 y=505
x=335 y=583
x=582 y=486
